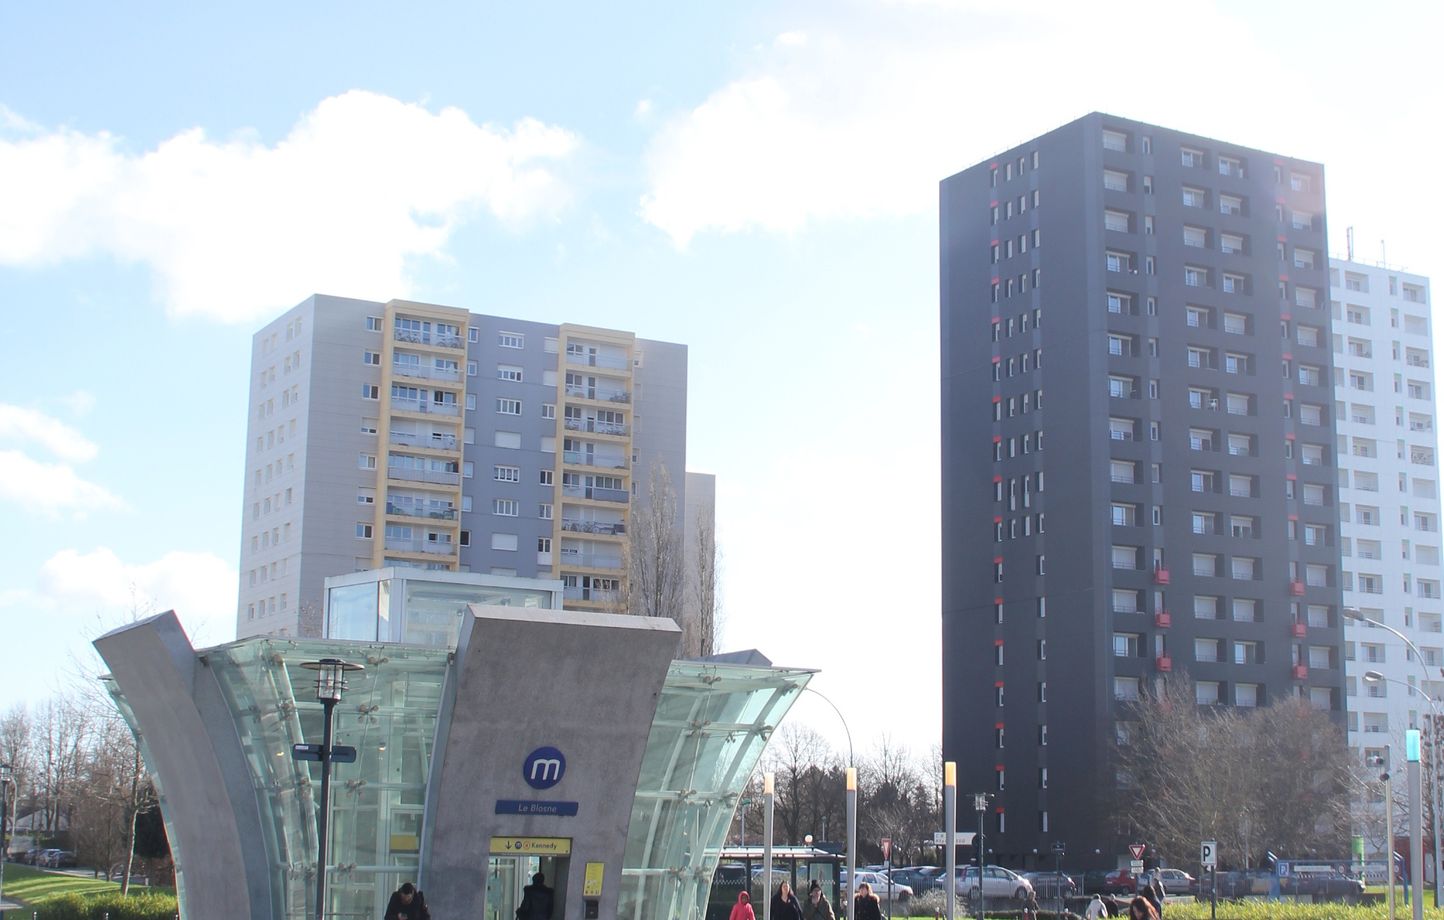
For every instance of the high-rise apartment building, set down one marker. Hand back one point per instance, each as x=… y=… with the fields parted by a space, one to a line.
x=1136 y=455
x=409 y=434
x=1384 y=407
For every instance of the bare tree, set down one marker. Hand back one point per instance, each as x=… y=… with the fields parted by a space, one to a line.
x=708 y=564
x=654 y=584
x=1274 y=777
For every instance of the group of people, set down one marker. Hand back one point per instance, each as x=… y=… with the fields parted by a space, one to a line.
x=407 y=903
x=816 y=906
x=1147 y=904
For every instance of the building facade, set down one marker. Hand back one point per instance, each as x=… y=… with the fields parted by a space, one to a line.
x=1388 y=498
x=408 y=434
x=1136 y=455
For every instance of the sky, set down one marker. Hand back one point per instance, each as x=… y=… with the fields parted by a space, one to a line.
x=755 y=180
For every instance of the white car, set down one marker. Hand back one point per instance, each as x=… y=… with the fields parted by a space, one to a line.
x=901 y=893
x=997 y=883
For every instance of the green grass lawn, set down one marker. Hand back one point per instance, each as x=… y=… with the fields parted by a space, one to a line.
x=1255 y=909
x=33 y=887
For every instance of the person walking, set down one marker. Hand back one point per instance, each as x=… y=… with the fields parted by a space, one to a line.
x=536 y=900
x=1140 y=908
x=784 y=904
x=742 y=910
x=865 y=904
x=1156 y=893
x=407 y=904
x=1096 y=908
x=816 y=907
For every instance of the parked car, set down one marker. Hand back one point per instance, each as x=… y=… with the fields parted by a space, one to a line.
x=901 y=894
x=1049 y=885
x=1235 y=884
x=1176 y=881
x=1323 y=886
x=997 y=882
x=918 y=878
x=1120 y=881
x=1093 y=880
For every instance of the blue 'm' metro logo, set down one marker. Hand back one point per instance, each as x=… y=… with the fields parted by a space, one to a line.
x=544 y=768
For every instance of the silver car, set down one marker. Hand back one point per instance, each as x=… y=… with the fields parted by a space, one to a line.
x=997 y=883
x=901 y=893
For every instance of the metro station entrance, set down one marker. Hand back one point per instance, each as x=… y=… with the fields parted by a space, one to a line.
x=510 y=867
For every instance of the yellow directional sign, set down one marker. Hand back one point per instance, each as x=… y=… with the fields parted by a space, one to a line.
x=592 y=884
x=540 y=846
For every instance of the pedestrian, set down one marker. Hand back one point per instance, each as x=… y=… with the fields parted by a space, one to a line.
x=536 y=900
x=1157 y=892
x=865 y=905
x=816 y=907
x=407 y=904
x=1030 y=906
x=1141 y=909
x=784 y=904
x=742 y=910
x=1096 y=908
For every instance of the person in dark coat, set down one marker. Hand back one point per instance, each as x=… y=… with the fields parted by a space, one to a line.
x=865 y=906
x=816 y=907
x=536 y=900
x=407 y=904
x=784 y=904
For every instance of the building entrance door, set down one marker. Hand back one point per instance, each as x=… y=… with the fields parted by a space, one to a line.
x=508 y=876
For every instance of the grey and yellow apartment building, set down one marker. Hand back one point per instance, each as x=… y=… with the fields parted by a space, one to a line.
x=405 y=434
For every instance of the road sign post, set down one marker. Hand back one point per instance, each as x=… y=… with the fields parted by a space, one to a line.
x=1208 y=860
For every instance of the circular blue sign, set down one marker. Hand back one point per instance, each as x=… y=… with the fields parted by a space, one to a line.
x=544 y=768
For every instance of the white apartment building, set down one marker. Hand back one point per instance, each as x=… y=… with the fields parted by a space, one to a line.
x=1389 y=510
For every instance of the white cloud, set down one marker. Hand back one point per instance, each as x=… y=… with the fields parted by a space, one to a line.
x=863 y=118
x=28 y=425
x=237 y=229
x=50 y=487
x=77 y=596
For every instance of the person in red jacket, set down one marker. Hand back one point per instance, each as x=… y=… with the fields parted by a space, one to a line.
x=742 y=910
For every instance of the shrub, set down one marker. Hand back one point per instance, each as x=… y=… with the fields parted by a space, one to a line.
x=149 y=906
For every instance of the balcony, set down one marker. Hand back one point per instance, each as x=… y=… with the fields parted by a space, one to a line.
x=1163 y=619
x=582 y=458
x=424 y=407
x=1301 y=672
x=1296 y=588
x=596 y=360
x=589 y=595
x=615 y=529
x=601 y=394
x=436 y=476
x=1164 y=663
x=571 y=558
x=1160 y=575
x=595 y=426
x=428 y=338
x=429 y=547
x=424 y=442
x=597 y=493
x=430 y=514
x=422 y=372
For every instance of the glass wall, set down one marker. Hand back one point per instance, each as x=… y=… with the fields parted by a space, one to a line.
x=711 y=726
x=388 y=714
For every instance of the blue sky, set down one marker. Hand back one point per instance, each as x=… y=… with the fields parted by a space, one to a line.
x=755 y=180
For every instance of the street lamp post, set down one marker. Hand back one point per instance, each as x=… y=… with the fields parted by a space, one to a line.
x=330 y=685
x=980 y=805
x=769 y=787
x=7 y=779
x=950 y=830
x=1353 y=613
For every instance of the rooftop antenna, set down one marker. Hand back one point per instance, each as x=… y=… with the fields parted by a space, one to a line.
x=1349 y=243
x=1383 y=254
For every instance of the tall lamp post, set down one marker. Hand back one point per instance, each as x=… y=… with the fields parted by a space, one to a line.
x=7 y=779
x=330 y=685
x=950 y=829
x=1353 y=613
x=851 y=866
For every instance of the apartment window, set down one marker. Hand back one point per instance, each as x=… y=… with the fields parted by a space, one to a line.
x=1302 y=220
x=1230 y=204
x=1115 y=181
x=1194 y=197
x=1229 y=166
x=1244 y=610
x=508 y=406
x=363 y=530
x=1196 y=237
x=1231 y=243
x=1205 y=692
x=1120 y=221
x=1195 y=276
x=1118 y=261
x=505 y=507
x=364 y=462
x=373 y=324
x=1234 y=284
x=508 y=372
x=511 y=340
x=1125 y=689
x=370 y=391
x=1120 y=303
x=506 y=473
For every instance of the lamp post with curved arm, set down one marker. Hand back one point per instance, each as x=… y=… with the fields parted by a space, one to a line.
x=1353 y=613
x=851 y=797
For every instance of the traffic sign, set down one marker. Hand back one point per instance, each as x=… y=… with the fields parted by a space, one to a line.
x=1136 y=866
x=886 y=848
x=1208 y=854
x=1136 y=849
x=940 y=838
x=306 y=752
